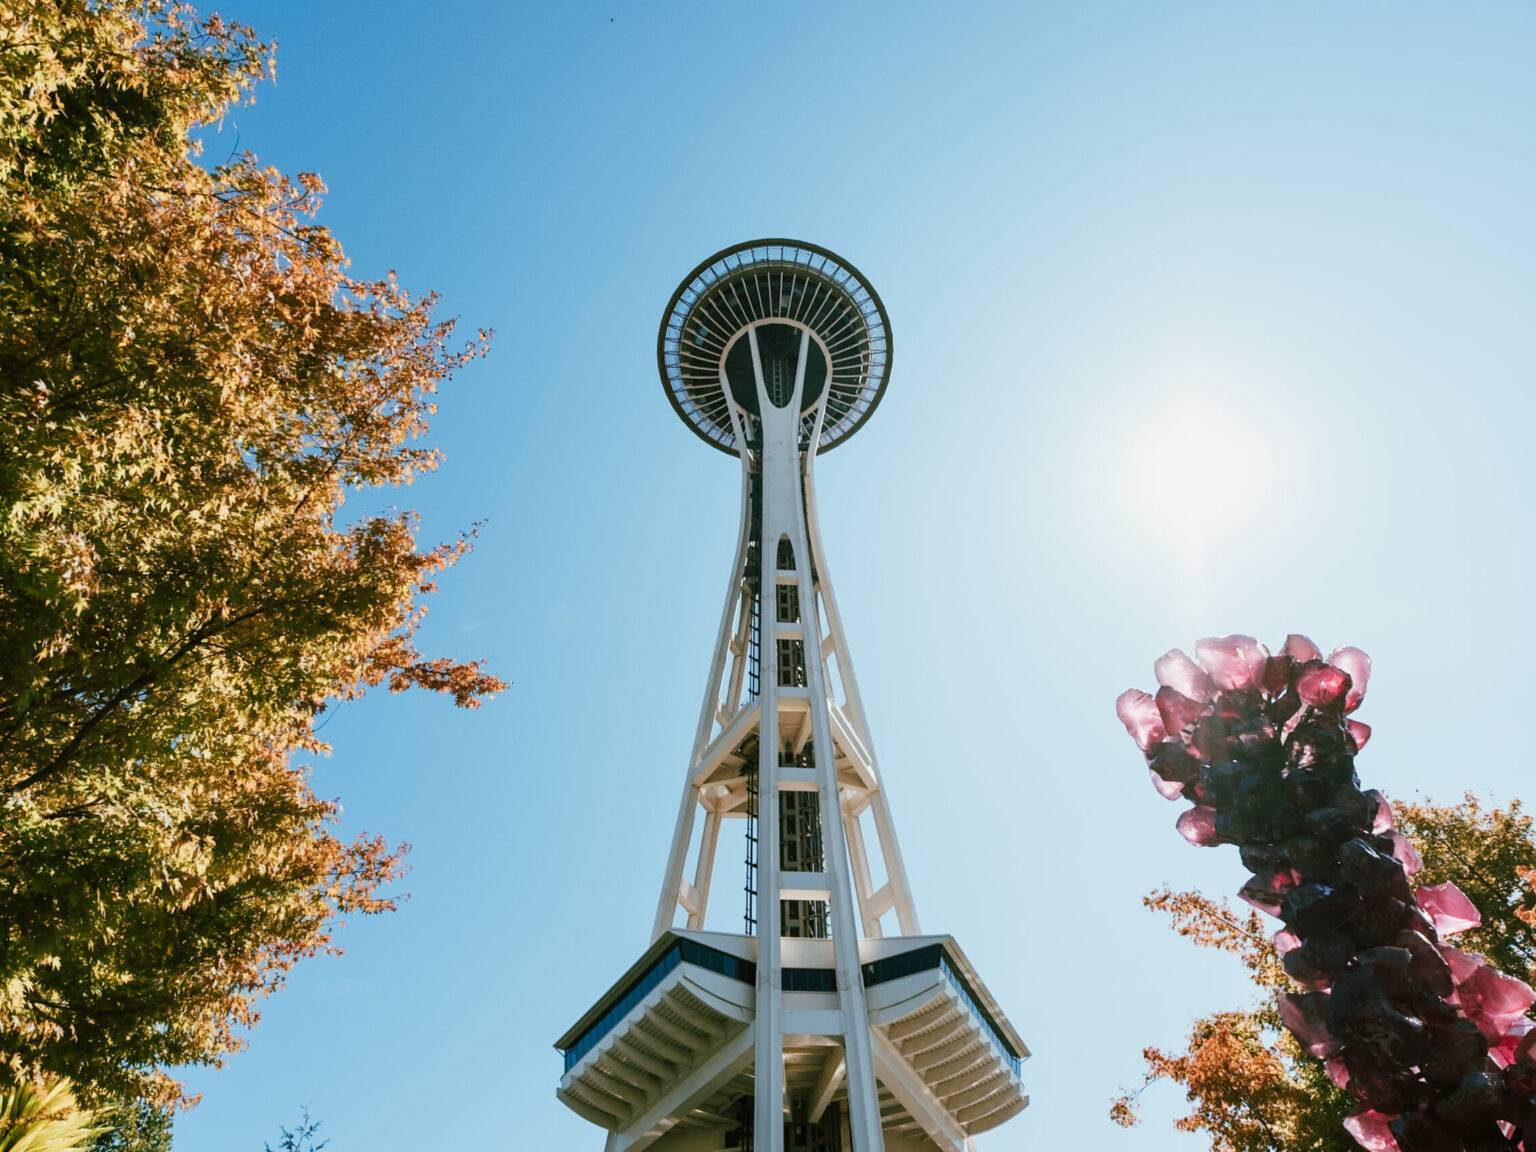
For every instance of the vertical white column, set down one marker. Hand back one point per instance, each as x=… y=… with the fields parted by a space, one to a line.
x=863 y=1094
x=783 y=466
x=775 y=476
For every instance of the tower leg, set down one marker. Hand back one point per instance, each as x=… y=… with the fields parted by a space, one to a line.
x=863 y=1097
x=768 y=1102
x=672 y=878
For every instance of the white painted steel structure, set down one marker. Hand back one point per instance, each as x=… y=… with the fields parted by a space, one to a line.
x=839 y=1035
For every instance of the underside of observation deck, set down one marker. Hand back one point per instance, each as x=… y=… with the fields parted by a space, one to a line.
x=664 y=1060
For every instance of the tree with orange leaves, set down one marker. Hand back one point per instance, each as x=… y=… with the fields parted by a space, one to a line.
x=190 y=383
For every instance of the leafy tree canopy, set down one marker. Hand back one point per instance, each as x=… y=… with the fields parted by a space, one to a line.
x=190 y=384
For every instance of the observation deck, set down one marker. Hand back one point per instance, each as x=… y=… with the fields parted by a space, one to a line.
x=669 y=1046
x=775 y=286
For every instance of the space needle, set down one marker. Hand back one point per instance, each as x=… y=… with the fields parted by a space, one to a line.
x=830 y=1022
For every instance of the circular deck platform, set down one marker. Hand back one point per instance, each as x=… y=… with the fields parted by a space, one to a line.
x=767 y=280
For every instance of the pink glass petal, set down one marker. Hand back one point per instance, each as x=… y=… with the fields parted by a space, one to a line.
x=1300 y=649
x=1357 y=665
x=1462 y=964
x=1360 y=731
x=1177 y=671
x=1321 y=685
x=1503 y=1051
x=1304 y=1017
x=1449 y=908
x=1370 y=1130
x=1406 y=854
x=1338 y=1073
x=1198 y=826
x=1286 y=941
x=1178 y=711
x=1167 y=789
x=1493 y=1000
x=1233 y=662
x=1381 y=812
x=1138 y=712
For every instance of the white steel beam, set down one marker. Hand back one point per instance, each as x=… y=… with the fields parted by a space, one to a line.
x=858 y=855
x=923 y=1022
x=863 y=1092
x=705 y=870
x=895 y=865
x=768 y=1062
x=997 y=1082
x=693 y=1042
x=992 y=1119
x=687 y=1094
x=657 y=1068
x=711 y=1026
x=613 y=1085
x=610 y=1065
x=609 y=1114
x=666 y=907
x=833 y=1067
x=913 y=1095
x=932 y=1057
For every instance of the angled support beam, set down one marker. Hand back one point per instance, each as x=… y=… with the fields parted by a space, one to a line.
x=687 y=1094
x=705 y=870
x=960 y=1026
x=858 y=856
x=882 y=901
x=610 y=1065
x=657 y=1068
x=933 y=1057
x=967 y=1073
x=670 y=1052
x=609 y=1114
x=913 y=1095
x=682 y=835
x=691 y=1041
x=996 y=1116
x=922 y=1022
x=614 y=1086
x=991 y=1086
x=687 y=898
x=709 y=1025
x=833 y=1069
x=723 y=745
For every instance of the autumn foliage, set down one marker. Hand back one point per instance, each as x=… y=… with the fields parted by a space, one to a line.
x=191 y=381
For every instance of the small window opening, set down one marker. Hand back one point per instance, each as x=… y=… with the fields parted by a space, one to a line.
x=791 y=663
x=789 y=604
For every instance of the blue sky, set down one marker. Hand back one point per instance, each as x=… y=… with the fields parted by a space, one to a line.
x=1207 y=319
